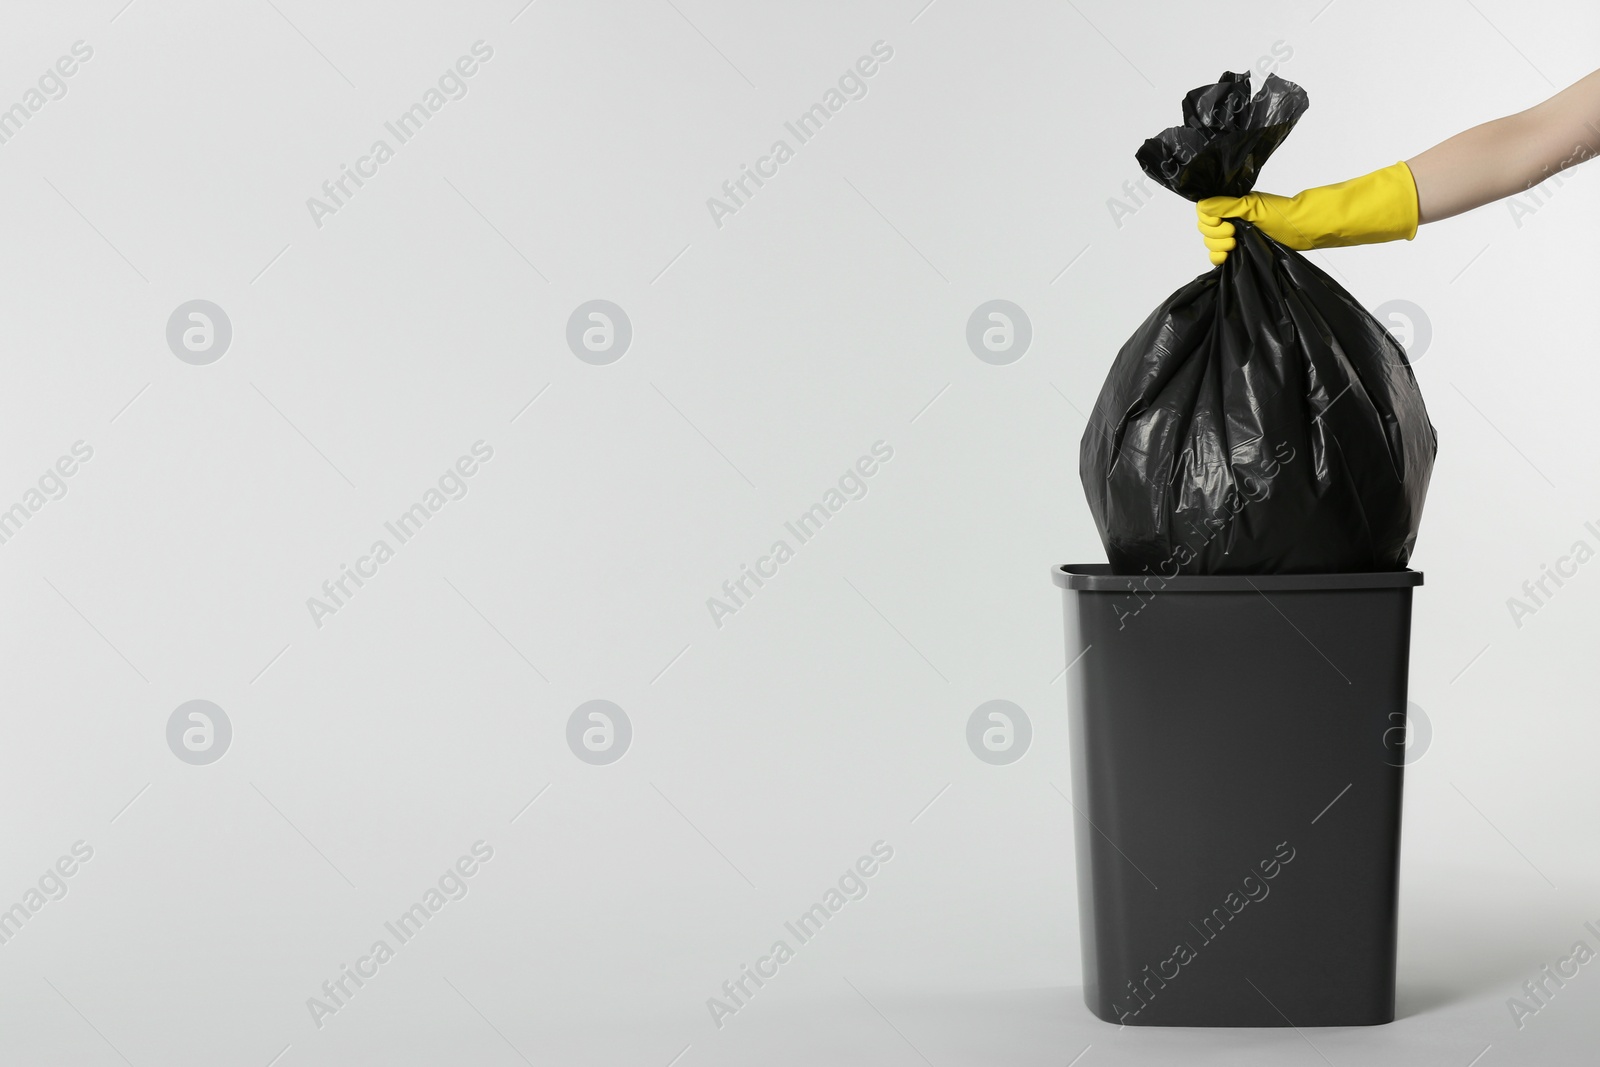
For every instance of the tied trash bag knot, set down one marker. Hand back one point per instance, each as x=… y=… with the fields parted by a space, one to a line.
x=1225 y=138
x=1260 y=420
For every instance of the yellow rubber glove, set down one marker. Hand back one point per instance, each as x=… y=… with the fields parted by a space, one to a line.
x=1382 y=206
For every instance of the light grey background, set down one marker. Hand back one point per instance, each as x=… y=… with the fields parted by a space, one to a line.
x=767 y=355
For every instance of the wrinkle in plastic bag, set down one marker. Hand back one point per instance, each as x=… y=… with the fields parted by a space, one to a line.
x=1260 y=420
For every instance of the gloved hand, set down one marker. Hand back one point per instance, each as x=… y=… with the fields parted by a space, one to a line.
x=1382 y=206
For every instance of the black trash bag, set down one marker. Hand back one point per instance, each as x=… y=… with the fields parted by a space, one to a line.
x=1260 y=420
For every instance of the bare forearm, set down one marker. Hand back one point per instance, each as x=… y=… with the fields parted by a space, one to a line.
x=1509 y=155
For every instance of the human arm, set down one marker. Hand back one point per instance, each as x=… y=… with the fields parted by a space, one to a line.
x=1510 y=154
x=1475 y=167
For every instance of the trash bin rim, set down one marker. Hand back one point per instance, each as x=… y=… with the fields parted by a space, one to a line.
x=1098 y=578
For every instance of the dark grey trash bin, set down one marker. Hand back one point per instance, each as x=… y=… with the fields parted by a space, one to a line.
x=1237 y=760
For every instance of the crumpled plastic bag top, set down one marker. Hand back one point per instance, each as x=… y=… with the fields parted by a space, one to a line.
x=1225 y=138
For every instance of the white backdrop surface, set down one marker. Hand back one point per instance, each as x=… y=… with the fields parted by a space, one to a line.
x=399 y=332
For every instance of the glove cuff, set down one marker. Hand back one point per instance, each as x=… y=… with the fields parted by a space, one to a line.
x=1376 y=207
x=1397 y=194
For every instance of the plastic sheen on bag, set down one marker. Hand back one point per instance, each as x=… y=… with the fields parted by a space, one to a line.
x=1260 y=420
